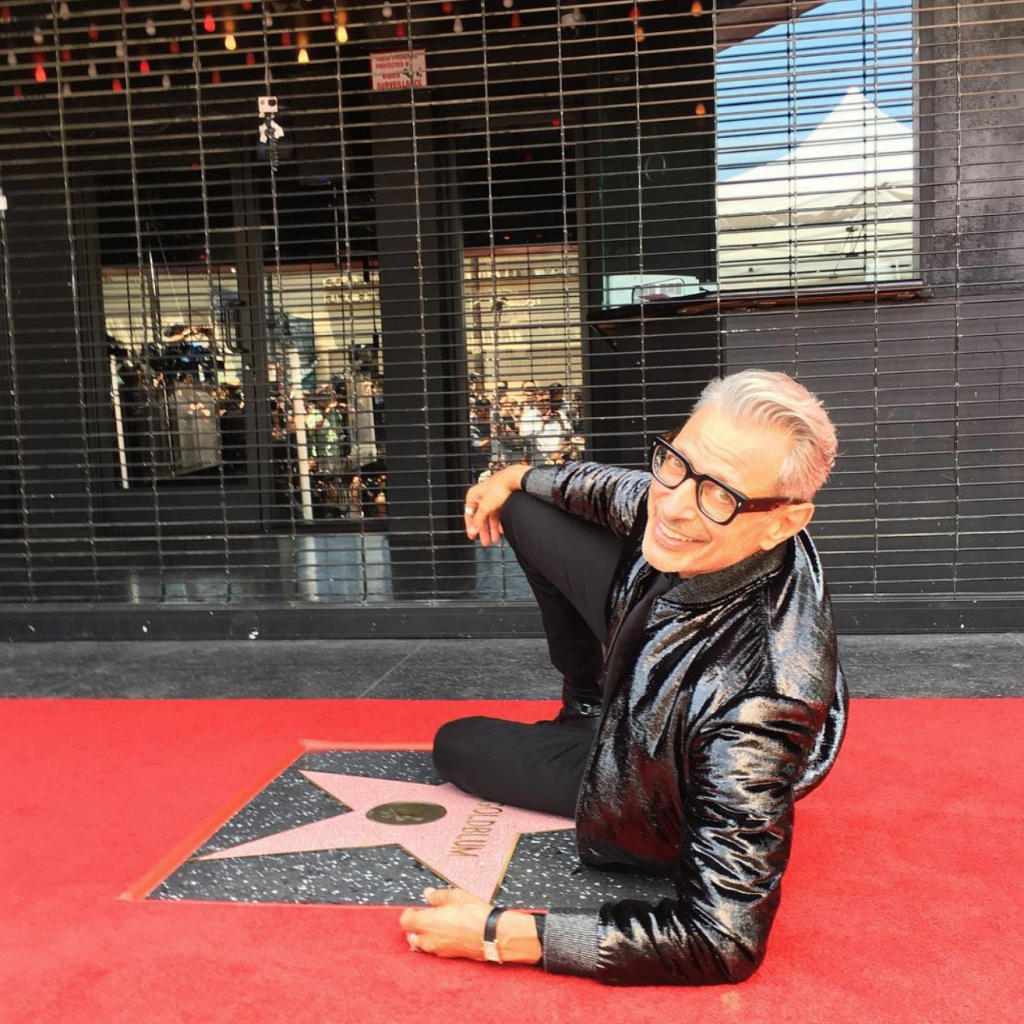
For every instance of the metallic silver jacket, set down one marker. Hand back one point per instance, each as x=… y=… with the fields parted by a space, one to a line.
x=732 y=707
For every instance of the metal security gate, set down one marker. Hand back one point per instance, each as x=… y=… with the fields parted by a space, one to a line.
x=255 y=351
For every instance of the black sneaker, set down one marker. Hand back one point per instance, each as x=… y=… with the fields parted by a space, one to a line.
x=581 y=705
x=578 y=714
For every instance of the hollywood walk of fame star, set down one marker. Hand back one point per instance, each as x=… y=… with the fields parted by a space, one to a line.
x=464 y=839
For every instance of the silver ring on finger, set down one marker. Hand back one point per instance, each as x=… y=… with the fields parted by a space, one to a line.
x=414 y=939
x=469 y=509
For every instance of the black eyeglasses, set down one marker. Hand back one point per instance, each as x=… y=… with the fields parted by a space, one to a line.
x=719 y=502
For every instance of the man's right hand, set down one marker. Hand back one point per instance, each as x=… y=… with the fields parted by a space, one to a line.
x=484 y=500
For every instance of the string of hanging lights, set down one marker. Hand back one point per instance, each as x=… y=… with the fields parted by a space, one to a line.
x=92 y=47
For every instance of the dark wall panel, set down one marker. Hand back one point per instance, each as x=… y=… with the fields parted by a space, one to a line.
x=925 y=497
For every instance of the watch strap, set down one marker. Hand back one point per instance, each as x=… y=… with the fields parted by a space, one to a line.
x=492 y=954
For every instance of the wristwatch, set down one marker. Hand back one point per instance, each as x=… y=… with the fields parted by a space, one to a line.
x=491 y=952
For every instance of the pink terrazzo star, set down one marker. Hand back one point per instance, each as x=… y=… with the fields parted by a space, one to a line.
x=464 y=839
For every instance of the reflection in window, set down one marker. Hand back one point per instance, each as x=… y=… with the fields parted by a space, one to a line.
x=525 y=369
x=180 y=384
x=816 y=150
x=175 y=384
x=328 y=372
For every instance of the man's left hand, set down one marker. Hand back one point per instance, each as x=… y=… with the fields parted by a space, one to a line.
x=452 y=925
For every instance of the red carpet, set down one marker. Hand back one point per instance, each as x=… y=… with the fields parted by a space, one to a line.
x=902 y=903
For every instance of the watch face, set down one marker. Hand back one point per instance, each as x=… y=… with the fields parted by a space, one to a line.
x=491 y=953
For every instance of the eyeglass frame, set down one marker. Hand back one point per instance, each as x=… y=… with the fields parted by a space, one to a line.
x=743 y=503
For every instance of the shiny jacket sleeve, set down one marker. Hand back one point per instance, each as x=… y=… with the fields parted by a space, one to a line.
x=606 y=495
x=734 y=845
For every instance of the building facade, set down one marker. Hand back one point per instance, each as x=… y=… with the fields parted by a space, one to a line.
x=281 y=280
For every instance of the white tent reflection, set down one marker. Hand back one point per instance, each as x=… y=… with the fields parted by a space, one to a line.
x=837 y=209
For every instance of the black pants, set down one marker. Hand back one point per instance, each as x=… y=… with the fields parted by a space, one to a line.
x=569 y=564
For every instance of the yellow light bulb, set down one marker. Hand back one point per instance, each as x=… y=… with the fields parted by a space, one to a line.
x=342 y=34
x=229 y=42
x=303 y=56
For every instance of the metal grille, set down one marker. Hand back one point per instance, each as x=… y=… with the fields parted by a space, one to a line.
x=255 y=352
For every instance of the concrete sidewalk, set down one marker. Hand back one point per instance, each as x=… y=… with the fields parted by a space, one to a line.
x=919 y=665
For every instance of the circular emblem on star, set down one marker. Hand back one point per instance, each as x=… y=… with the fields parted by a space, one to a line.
x=406 y=813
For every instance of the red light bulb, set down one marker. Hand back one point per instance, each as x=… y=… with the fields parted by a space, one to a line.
x=174 y=46
x=400 y=30
x=143 y=66
x=516 y=20
x=215 y=78
x=94 y=32
x=40 y=73
x=65 y=56
x=634 y=14
x=286 y=38
x=250 y=58
x=327 y=17
x=447 y=7
x=208 y=23
x=116 y=85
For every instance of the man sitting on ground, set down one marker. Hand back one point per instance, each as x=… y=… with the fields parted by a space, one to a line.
x=716 y=701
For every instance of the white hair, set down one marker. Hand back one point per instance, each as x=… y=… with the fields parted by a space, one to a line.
x=775 y=400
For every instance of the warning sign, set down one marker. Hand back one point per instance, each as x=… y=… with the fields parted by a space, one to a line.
x=398 y=69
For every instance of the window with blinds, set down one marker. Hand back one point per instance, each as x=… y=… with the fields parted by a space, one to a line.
x=282 y=278
x=815 y=145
